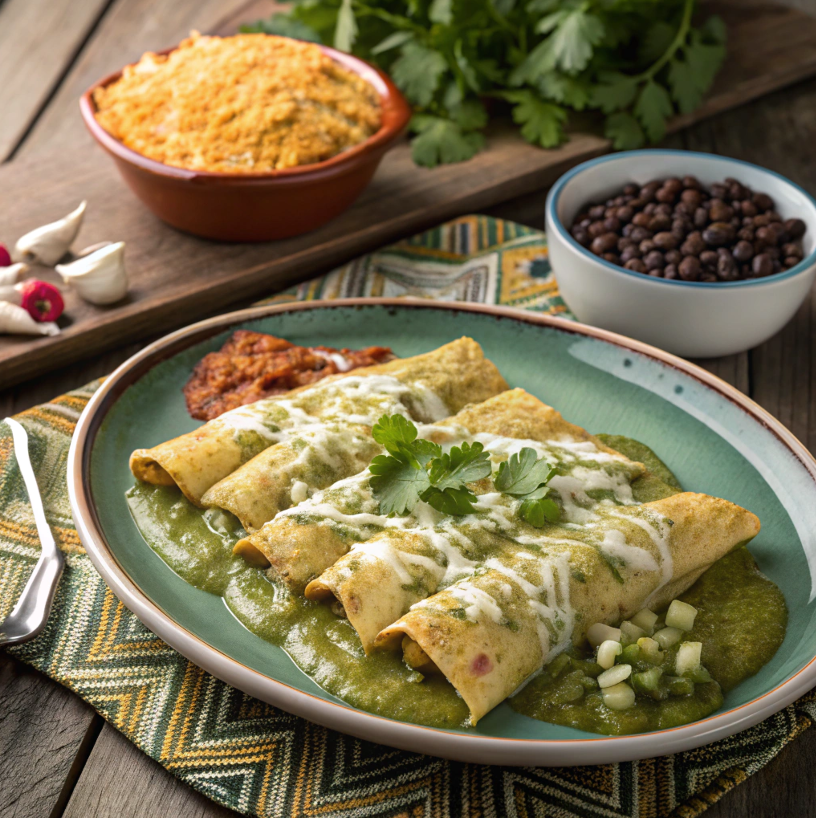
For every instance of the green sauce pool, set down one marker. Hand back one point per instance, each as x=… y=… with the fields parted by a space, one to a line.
x=741 y=623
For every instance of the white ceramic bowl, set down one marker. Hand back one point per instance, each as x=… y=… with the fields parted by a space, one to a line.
x=688 y=318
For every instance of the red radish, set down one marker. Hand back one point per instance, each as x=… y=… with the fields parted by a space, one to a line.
x=5 y=256
x=42 y=300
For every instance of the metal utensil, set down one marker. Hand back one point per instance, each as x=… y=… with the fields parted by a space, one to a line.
x=30 y=613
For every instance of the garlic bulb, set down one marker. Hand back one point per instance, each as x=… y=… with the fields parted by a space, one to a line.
x=12 y=274
x=100 y=276
x=49 y=243
x=10 y=292
x=16 y=320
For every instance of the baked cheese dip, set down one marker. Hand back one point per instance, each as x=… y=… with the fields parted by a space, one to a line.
x=242 y=104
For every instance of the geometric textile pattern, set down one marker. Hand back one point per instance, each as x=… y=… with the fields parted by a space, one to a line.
x=261 y=761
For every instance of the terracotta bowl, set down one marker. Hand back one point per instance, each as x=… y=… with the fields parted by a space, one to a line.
x=258 y=206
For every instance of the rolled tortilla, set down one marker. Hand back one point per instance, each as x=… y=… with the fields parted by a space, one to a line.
x=426 y=388
x=412 y=557
x=302 y=542
x=489 y=632
x=314 y=457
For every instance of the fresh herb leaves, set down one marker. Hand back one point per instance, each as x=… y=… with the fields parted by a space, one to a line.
x=524 y=476
x=636 y=63
x=415 y=469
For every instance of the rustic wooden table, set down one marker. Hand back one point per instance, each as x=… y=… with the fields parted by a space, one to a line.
x=57 y=756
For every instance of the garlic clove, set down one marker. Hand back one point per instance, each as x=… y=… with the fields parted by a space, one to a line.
x=100 y=276
x=86 y=251
x=49 y=243
x=13 y=273
x=16 y=320
x=11 y=293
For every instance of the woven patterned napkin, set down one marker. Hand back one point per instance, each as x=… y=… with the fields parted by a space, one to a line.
x=258 y=760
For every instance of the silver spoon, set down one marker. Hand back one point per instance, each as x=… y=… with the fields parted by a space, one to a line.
x=30 y=613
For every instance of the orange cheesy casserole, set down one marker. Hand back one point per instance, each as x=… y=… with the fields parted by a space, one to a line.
x=248 y=103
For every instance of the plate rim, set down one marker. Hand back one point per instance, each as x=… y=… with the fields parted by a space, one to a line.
x=344 y=717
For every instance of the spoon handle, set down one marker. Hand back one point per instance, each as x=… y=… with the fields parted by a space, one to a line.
x=31 y=611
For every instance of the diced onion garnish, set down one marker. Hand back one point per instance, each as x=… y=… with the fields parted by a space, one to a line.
x=607 y=652
x=599 y=632
x=668 y=637
x=649 y=648
x=618 y=697
x=645 y=620
x=681 y=615
x=615 y=674
x=631 y=632
x=688 y=658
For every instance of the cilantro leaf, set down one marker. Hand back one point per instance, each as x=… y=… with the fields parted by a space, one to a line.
x=283 y=26
x=540 y=511
x=418 y=72
x=624 y=131
x=523 y=473
x=652 y=108
x=345 y=32
x=442 y=141
x=541 y=122
x=441 y=11
x=571 y=91
x=463 y=464
x=704 y=62
x=714 y=29
x=469 y=114
x=574 y=39
x=455 y=501
x=614 y=92
x=397 y=483
x=391 y=430
x=684 y=89
x=394 y=40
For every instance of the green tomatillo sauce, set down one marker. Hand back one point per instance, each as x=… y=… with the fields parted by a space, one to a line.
x=741 y=622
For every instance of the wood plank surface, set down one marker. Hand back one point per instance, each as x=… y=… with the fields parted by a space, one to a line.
x=177 y=279
x=38 y=39
x=120 y=780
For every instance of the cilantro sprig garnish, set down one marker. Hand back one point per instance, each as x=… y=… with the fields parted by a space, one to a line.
x=524 y=476
x=634 y=63
x=415 y=469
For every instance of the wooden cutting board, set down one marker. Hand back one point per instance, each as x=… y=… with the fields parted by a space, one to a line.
x=177 y=279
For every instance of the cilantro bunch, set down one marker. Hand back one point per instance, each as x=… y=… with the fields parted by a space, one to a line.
x=634 y=63
x=415 y=469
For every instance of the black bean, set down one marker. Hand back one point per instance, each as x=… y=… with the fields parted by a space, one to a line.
x=720 y=211
x=689 y=269
x=631 y=189
x=635 y=264
x=640 y=233
x=641 y=219
x=791 y=249
x=625 y=213
x=693 y=245
x=673 y=257
x=762 y=265
x=718 y=233
x=624 y=242
x=743 y=250
x=718 y=191
x=692 y=182
x=670 y=271
x=596 y=229
x=700 y=217
x=654 y=260
x=612 y=258
x=605 y=243
x=763 y=201
x=767 y=235
x=581 y=236
x=628 y=253
x=612 y=224
x=597 y=212
x=727 y=269
x=691 y=197
x=795 y=228
x=646 y=246
x=791 y=261
x=665 y=241
x=708 y=258
x=627 y=229
x=748 y=208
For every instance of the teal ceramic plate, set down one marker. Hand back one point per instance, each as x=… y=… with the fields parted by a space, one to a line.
x=716 y=441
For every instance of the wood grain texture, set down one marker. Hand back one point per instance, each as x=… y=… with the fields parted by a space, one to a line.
x=119 y=780
x=46 y=733
x=177 y=279
x=38 y=39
